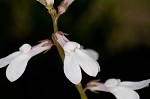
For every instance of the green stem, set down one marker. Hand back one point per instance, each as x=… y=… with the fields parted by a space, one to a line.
x=55 y=26
x=53 y=14
x=81 y=91
x=61 y=51
x=59 y=48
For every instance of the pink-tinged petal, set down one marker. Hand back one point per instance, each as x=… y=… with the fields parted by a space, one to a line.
x=135 y=85
x=41 y=47
x=61 y=10
x=68 y=2
x=16 y=67
x=100 y=87
x=62 y=40
x=6 y=60
x=25 y=48
x=72 y=69
x=92 y=53
x=124 y=93
x=89 y=65
x=64 y=6
x=96 y=86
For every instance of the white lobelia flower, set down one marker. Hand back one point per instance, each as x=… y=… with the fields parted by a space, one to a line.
x=18 y=60
x=121 y=90
x=77 y=58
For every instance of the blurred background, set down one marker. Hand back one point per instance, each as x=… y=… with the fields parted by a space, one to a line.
x=119 y=30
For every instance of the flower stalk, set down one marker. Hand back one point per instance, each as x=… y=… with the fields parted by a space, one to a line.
x=81 y=91
x=54 y=16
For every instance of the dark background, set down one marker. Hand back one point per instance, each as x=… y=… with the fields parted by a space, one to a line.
x=119 y=30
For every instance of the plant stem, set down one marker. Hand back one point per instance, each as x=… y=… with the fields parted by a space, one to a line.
x=60 y=49
x=81 y=91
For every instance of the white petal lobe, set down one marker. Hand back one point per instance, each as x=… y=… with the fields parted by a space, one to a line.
x=6 y=60
x=135 y=85
x=124 y=93
x=89 y=65
x=112 y=82
x=72 y=69
x=16 y=67
x=92 y=53
x=25 y=48
x=71 y=46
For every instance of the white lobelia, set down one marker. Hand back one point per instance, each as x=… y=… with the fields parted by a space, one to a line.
x=121 y=90
x=77 y=58
x=18 y=60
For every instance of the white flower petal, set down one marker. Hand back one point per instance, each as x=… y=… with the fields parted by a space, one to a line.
x=6 y=60
x=71 y=46
x=25 y=48
x=89 y=65
x=135 y=85
x=112 y=82
x=124 y=93
x=72 y=69
x=16 y=67
x=92 y=53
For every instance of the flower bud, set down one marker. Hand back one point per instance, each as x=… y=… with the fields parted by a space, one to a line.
x=46 y=2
